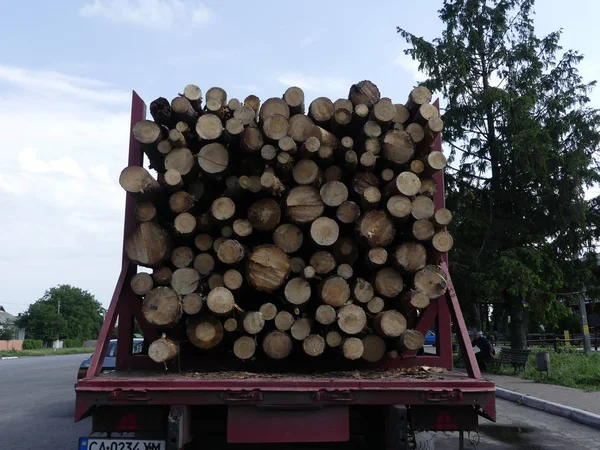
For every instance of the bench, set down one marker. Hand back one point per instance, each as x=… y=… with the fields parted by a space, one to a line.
x=517 y=358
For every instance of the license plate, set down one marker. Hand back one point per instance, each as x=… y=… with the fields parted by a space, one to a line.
x=120 y=444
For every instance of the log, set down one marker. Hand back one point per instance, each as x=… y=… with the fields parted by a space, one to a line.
x=185 y=281
x=192 y=304
x=233 y=129
x=297 y=264
x=145 y=212
x=324 y=231
x=415 y=300
x=297 y=125
x=434 y=162
x=268 y=311
x=226 y=232
x=204 y=263
x=371 y=198
x=230 y=325
x=364 y=92
x=147 y=245
x=417 y=97
x=423 y=230
x=375 y=305
x=242 y=228
x=244 y=347
x=417 y=166
x=442 y=241
x=173 y=180
x=334 y=291
x=364 y=180
x=333 y=173
x=230 y=252
x=416 y=132
x=325 y=137
x=325 y=155
x=218 y=94
x=141 y=283
x=323 y=262
x=275 y=127
x=345 y=251
x=183 y=110
x=176 y=138
x=233 y=105
x=182 y=257
x=384 y=111
x=213 y=159
x=350 y=160
x=309 y=272
x=388 y=282
x=321 y=110
x=223 y=209
x=429 y=187
x=306 y=172
x=431 y=280
x=352 y=348
x=203 y=242
x=341 y=119
x=161 y=112
x=162 y=350
x=272 y=184
x=137 y=181
x=284 y=321
x=162 y=276
x=196 y=188
x=297 y=291
x=232 y=279
x=348 y=212
x=376 y=228
x=181 y=160
x=246 y=114
x=373 y=146
x=361 y=113
x=148 y=133
x=209 y=127
x=185 y=224
x=410 y=256
x=204 y=332
x=218 y=243
x=268 y=268
x=313 y=345
x=274 y=106
x=215 y=280
x=325 y=315
x=183 y=128
x=425 y=113
x=402 y=114
x=345 y=271
x=442 y=217
x=304 y=204
x=277 y=345
x=371 y=129
x=161 y=307
x=434 y=127
x=347 y=143
x=288 y=145
x=363 y=290
x=300 y=329
x=408 y=183
x=309 y=148
x=264 y=215
x=333 y=339
x=374 y=348
x=422 y=207
x=294 y=97
x=334 y=193
x=288 y=238
x=368 y=160
x=253 y=322
x=377 y=257
x=411 y=340
x=220 y=301
x=252 y=139
x=389 y=324
x=398 y=147
x=180 y=202
x=253 y=102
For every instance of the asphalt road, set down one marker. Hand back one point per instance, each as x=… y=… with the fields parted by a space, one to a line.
x=37 y=402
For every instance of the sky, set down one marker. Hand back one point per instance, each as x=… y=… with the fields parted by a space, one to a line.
x=67 y=70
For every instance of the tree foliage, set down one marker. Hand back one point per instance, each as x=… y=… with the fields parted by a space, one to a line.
x=523 y=143
x=7 y=331
x=80 y=315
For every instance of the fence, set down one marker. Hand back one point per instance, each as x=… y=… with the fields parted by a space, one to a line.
x=555 y=340
x=13 y=344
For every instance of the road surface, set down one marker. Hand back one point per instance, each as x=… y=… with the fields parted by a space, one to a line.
x=37 y=402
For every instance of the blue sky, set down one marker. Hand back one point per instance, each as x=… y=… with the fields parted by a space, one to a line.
x=67 y=69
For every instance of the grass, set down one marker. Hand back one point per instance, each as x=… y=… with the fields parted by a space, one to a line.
x=572 y=369
x=47 y=352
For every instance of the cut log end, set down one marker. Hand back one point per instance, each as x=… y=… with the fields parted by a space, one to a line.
x=323 y=262
x=268 y=311
x=277 y=345
x=431 y=280
x=324 y=231
x=300 y=329
x=389 y=324
x=142 y=283
x=244 y=347
x=192 y=304
x=253 y=322
x=348 y=212
x=161 y=307
x=297 y=291
x=204 y=332
x=220 y=301
x=162 y=350
x=376 y=228
x=335 y=291
x=363 y=290
x=233 y=280
x=268 y=267
x=410 y=256
x=352 y=348
x=204 y=263
x=408 y=184
x=313 y=345
x=411 y=340
x=388 y=282
x=351 y=319
x=364 y=92
x=374 y=348
x=284 y=321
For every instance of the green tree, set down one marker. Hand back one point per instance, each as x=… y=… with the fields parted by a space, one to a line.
x=522 y=140
x=80 y=315
x=7 y=331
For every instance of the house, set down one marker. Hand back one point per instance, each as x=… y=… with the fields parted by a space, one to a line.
x=6 y=317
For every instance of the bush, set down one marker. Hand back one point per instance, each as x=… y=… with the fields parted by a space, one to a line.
x=72 y=343
x=32 y=344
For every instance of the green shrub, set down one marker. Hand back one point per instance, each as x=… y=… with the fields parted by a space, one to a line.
x=72 y=343
x=32 y=344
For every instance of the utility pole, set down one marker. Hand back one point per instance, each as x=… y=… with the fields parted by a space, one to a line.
x=587 y=345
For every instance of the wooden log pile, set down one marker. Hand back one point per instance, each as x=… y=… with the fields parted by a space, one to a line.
x=282 y=228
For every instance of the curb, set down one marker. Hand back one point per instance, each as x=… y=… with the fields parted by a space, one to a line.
x=9 y=357
x=574 y=414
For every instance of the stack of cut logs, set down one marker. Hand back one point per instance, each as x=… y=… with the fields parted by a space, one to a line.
x=273 y=231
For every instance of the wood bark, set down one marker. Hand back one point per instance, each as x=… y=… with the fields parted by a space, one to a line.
x=161 y=307
x=431 y=280
x=161 y=112
x=294 y=97
x=323 y=262
x=365 y=92
x=148 y=244
x=162 y=350
x=204 y=332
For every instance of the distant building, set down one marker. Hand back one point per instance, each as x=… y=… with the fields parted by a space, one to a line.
x=6 y=317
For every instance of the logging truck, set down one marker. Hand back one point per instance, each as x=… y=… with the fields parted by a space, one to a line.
x=297 y=260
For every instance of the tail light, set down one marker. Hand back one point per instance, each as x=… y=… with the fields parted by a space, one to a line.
x=125 y=419
x=81 y=373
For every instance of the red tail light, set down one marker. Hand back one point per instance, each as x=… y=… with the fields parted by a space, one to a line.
x=127 y=422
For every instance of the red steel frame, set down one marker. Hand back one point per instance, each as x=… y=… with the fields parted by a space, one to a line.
x=442 y=314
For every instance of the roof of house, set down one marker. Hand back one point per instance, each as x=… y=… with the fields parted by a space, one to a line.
x=4 y=316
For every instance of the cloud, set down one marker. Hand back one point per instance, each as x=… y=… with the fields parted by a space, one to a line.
x=31 y=163
x=409 y=65
x=319 y=84
x=162 y=14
